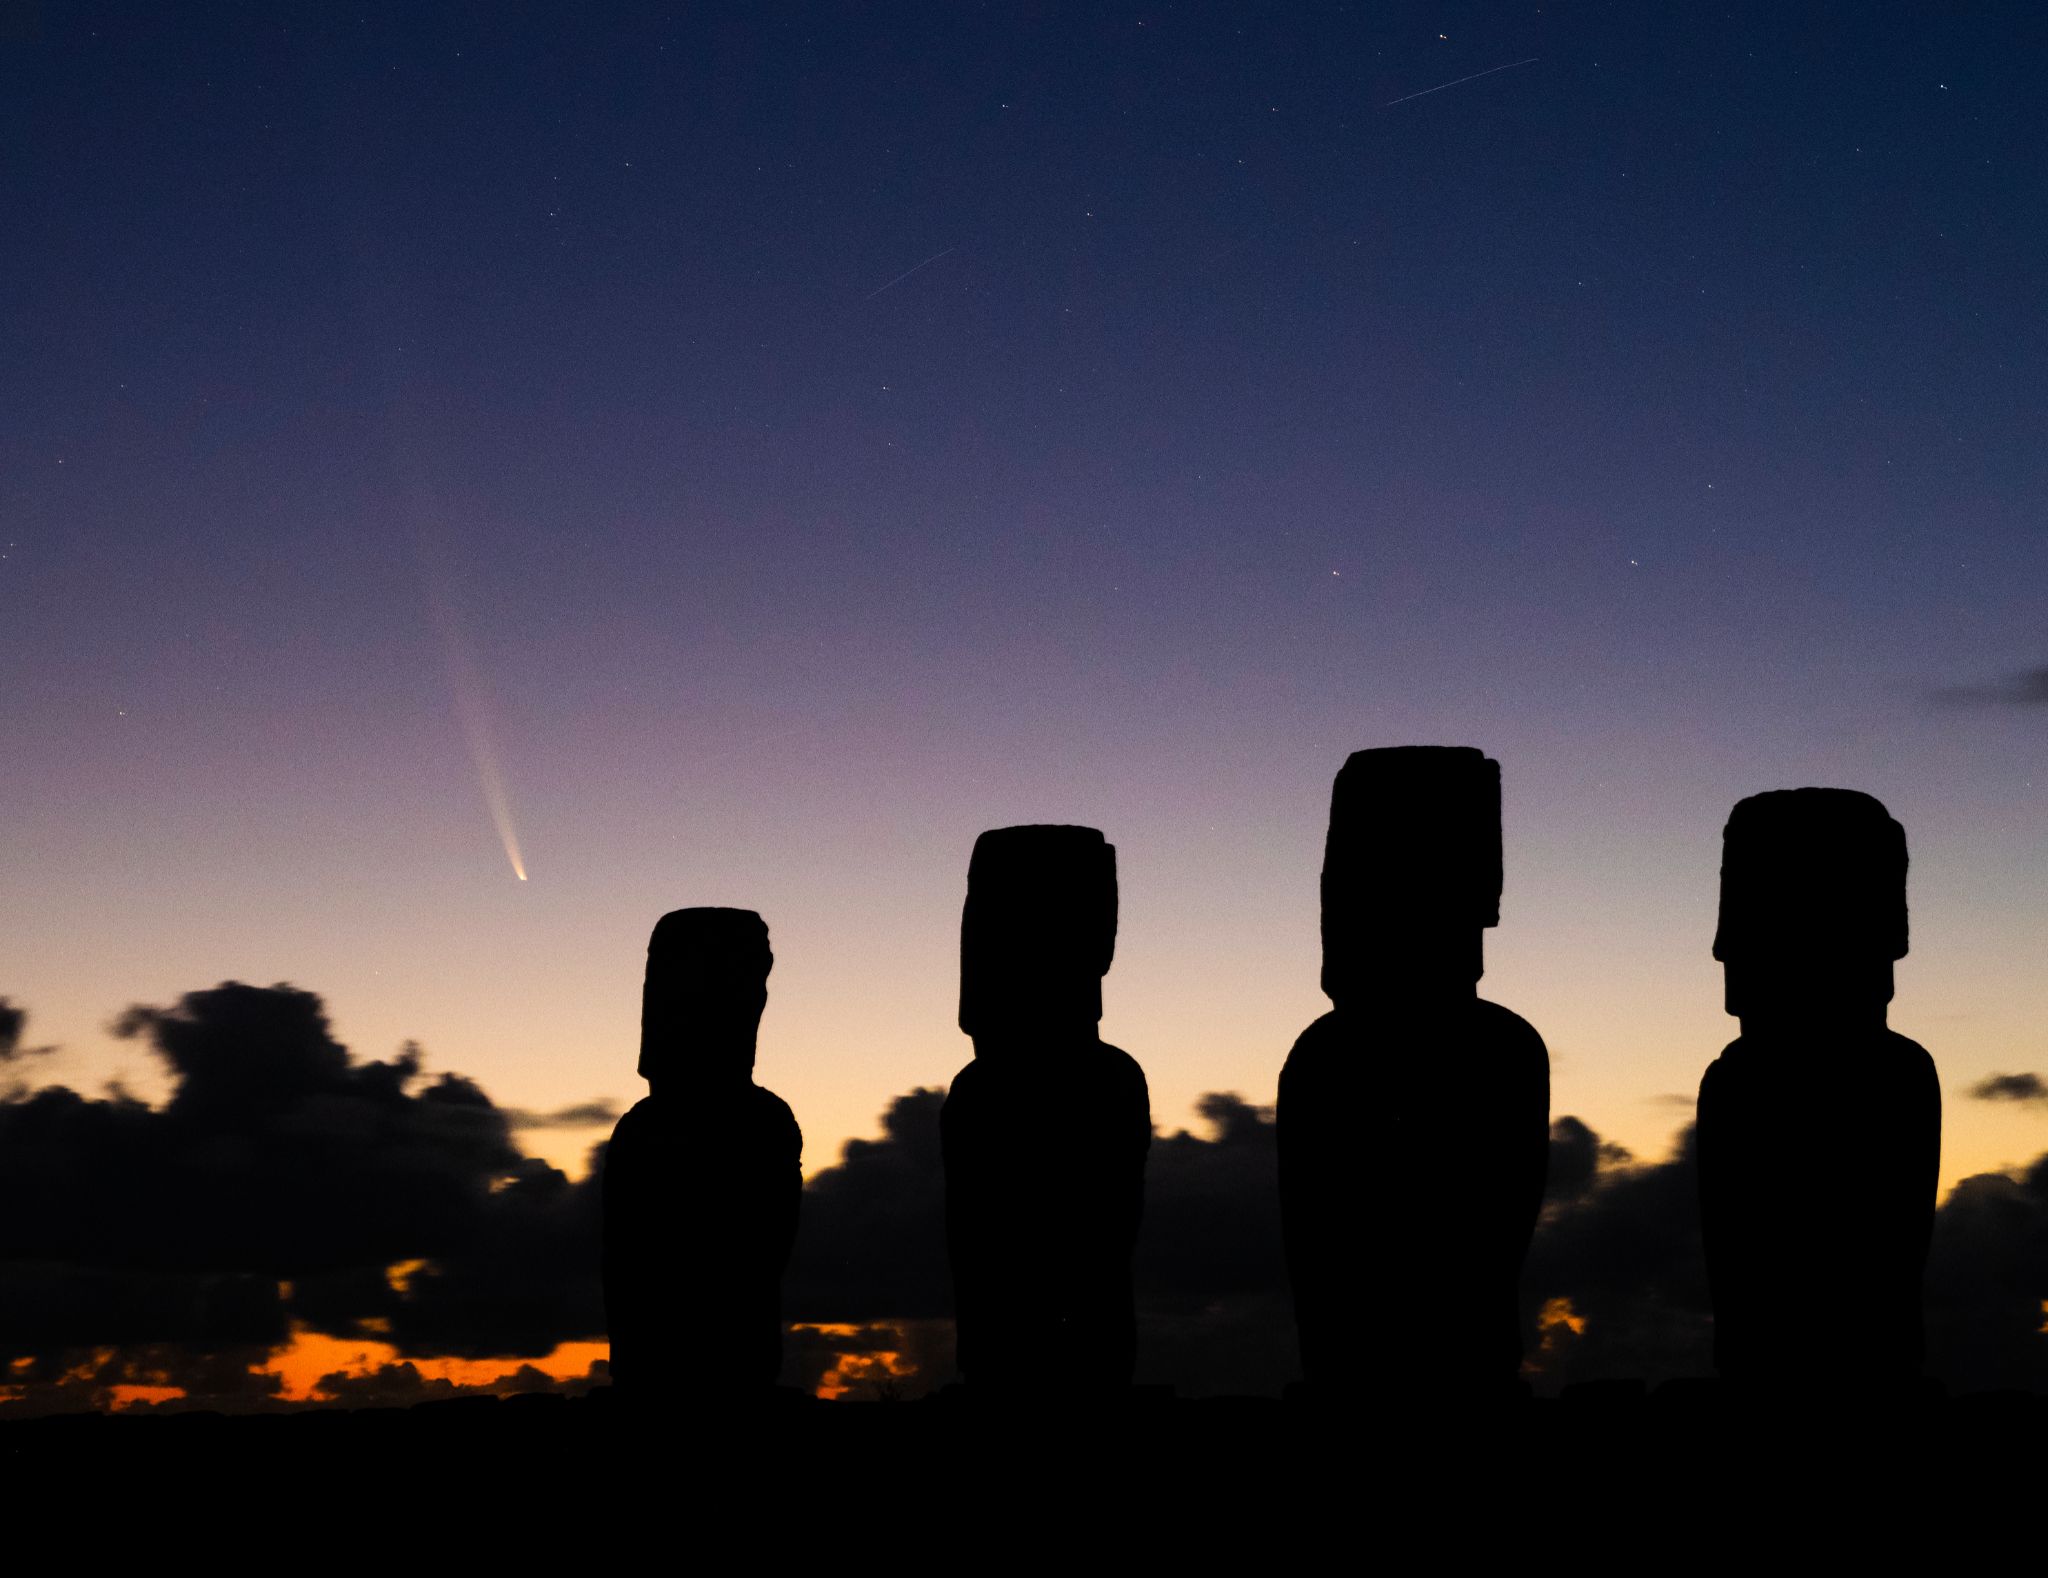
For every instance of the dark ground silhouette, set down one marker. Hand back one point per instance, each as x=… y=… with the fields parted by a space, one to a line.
x=1229 y=1481
x=1411 y=878
x=1810 y=1290
x=703 y=1179
x=1045 y=1132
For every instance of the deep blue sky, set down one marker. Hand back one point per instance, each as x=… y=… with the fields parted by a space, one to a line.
x=828 y=431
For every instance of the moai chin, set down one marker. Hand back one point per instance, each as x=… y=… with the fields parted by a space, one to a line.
x=1045 y=1132
x=1819 y=1138
x=703 y=1178
x=1414 y=1116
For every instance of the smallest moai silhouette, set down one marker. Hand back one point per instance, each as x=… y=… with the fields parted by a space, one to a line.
x=1819 y=1127
x=1414 y=1116
x=703 y=1178
x=1045 y=1132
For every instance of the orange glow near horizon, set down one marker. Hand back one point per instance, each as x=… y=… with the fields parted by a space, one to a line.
x=310 y=1356
x=1556 y=1324
x=127 y=1396
x=878 y=1368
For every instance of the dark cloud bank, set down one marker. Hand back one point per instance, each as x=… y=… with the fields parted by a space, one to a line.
x=178 y=1246
x=277 y=1185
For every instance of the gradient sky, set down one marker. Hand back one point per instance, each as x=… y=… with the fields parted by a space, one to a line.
x=789 y=440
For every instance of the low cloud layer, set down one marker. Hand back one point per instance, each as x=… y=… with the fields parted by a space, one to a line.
x=286 y=1187
x=274 y=1190
x=401 y=1385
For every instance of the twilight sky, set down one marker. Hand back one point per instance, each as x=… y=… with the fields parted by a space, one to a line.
x=775 y=444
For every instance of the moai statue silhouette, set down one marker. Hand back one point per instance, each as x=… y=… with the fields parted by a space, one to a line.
x=1045 y=1132
x=1819 y=1128
x=703 y=1178
x=1414 y=1116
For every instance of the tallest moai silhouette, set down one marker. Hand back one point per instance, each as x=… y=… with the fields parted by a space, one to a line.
x=1414 y=1116
x=1819 y=1126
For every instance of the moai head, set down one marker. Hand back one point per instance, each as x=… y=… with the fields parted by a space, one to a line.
x=1813 y=904
x=1038 y=932
x=1411 y=872
x=707 y=982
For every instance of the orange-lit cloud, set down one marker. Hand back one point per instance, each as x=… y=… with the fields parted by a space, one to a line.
x=1557 y=1324
x=302 y=1363
x=881 y=1369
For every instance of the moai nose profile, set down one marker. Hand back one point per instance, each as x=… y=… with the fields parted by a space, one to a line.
x=1045 y=1132
x=703 y=1178
x=1411 y=881
x=1819 y=1134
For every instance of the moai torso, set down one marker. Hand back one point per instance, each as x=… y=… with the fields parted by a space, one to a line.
x=1414 y=1117
x=1413 y=1147
x=1045 y=1133
x=1045 y=1183
x=1818 y=1162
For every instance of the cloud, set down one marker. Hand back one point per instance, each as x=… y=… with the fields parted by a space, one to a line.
x=1987 y=1283
x=1215 y=1315
x=1617 y=1254
x=892 y=1360
x=600 y=1112
x=276 y=1185
x=1577 y=1156
x=871 y=1238
x=12 y=1021
x=221 y=1377
x=401 y=1385
x=2026 y=1088
x=2029 y=688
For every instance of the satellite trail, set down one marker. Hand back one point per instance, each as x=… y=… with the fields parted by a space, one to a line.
x=900 y=278
x=1425 y=93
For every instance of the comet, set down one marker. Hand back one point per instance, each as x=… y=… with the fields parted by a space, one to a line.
x=466 y=687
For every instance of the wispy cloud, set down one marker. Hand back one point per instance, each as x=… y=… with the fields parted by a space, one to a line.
x=583 y=1115
x=2029 y=1089
x=2029 y=688
x=12 y=1019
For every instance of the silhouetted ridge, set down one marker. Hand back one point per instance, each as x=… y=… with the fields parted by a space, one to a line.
x=703 y=1179
x=1044 y=1134
x=1814 y=1286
